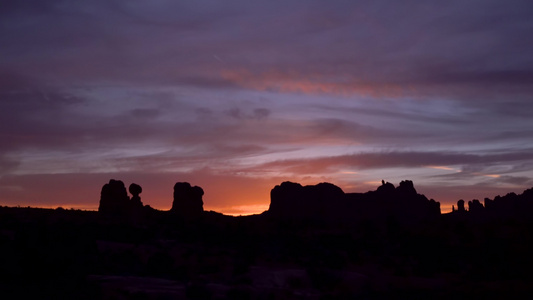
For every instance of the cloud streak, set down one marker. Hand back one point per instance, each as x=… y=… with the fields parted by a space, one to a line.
x=377 y=160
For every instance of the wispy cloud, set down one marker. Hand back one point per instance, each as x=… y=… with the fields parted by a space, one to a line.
x=399 y=159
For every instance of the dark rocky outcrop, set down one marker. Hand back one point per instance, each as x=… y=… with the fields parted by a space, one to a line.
x=510 y=205
x=386 y=188
x=294 y=200
x=113 y=198
x=135 y=190
x=187 y=199
x=461 y=206
x=327 y=201
x=115 y=202
x=475 y=206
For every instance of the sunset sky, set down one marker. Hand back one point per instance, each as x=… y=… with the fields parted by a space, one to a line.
x=238 y=96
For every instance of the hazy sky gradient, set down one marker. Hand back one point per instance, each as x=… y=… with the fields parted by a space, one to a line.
x=238 y=96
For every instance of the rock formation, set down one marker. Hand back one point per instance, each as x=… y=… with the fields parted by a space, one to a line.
x=113 y=198
x=475 y=206
x=327 y=201
x=135 y=190
x=512 y=204
x=461 y=206
x=187 y=199
x=293 y=199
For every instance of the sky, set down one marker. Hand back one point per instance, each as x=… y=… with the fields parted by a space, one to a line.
x=239 y=96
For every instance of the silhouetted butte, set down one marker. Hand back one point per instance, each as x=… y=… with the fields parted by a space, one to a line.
x=187 y=199
x=328 y=201
x=113 y=198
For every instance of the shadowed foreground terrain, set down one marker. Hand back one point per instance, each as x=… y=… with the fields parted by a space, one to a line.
x=314 y=242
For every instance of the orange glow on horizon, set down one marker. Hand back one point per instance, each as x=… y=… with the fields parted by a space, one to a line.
x=243 y=210
x=378 y=183
x=66 y=206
